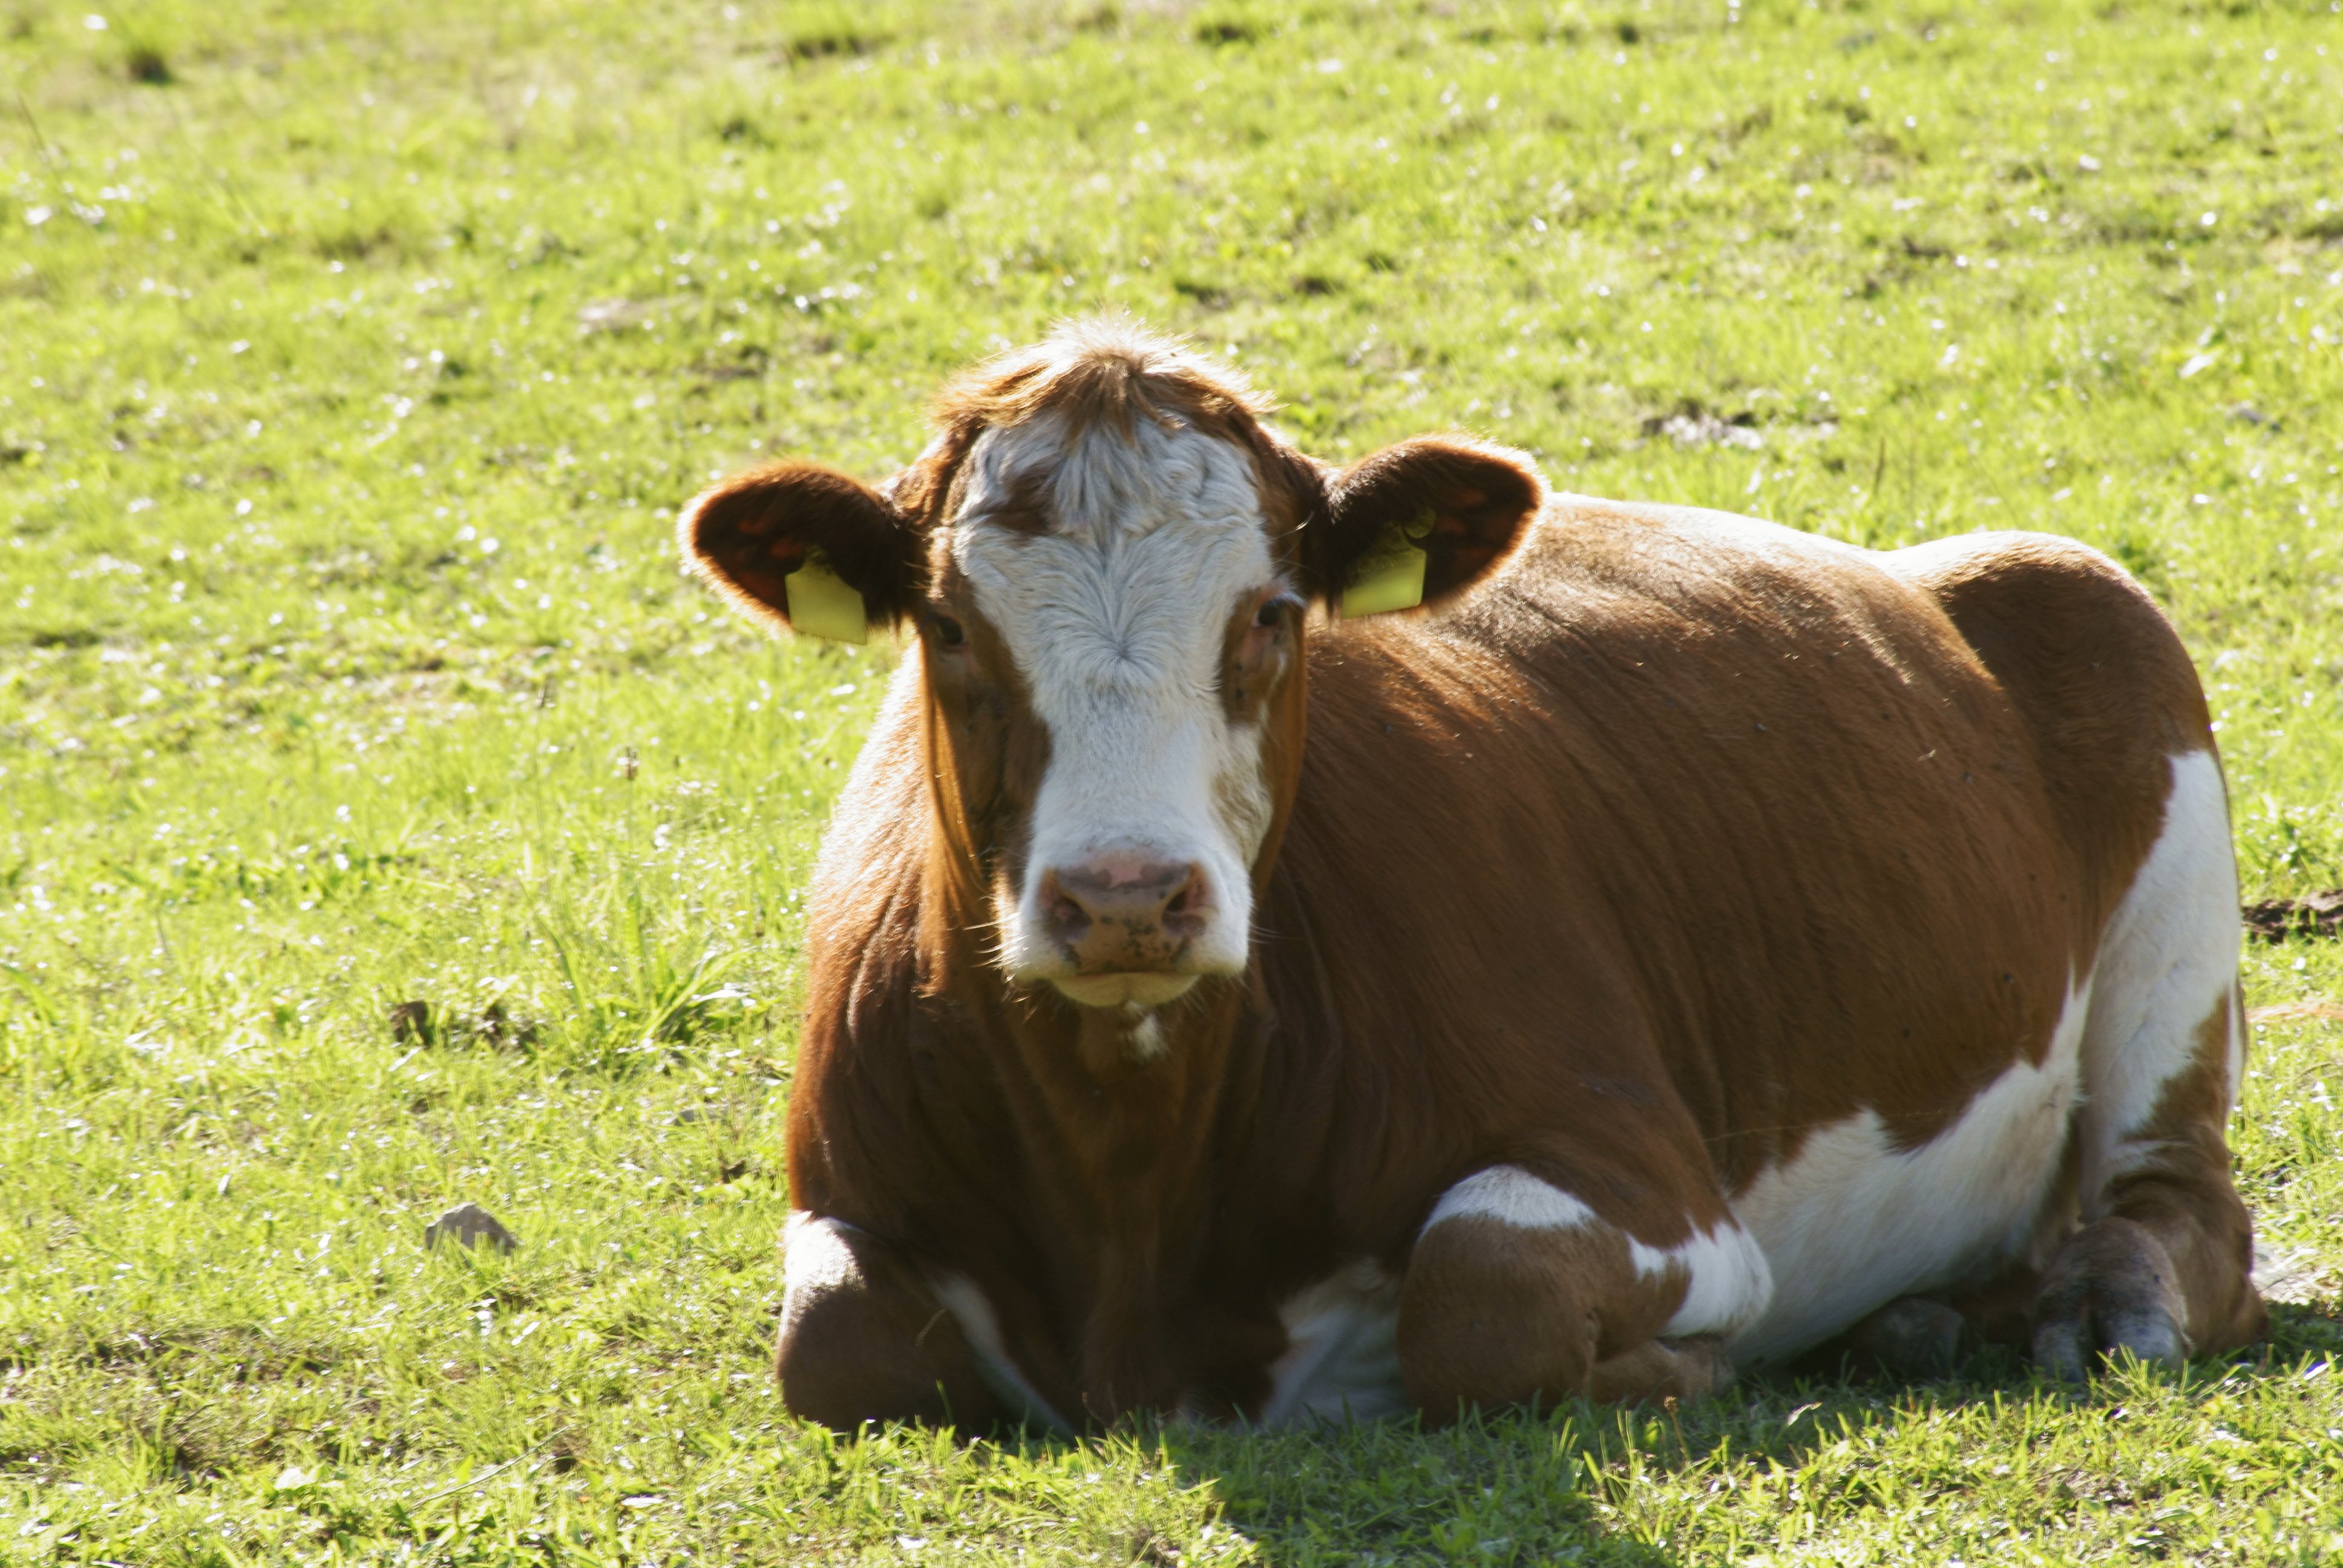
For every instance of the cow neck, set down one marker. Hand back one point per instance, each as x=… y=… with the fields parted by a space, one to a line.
x=1118 y=1126
x=1128 y=1144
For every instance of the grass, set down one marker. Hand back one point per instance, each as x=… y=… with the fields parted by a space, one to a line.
x=353 y=359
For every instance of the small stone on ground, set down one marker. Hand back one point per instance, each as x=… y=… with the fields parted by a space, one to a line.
x=468 y=1224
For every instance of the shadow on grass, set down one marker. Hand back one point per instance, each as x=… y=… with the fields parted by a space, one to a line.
x=1575 y=1485
x=1520 y=1487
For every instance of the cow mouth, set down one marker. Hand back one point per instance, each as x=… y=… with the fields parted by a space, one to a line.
x=1124 y=988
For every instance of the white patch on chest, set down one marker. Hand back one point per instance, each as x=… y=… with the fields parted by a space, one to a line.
x=1144 y=1038
x=1342 y=1356
x=1853 y=1224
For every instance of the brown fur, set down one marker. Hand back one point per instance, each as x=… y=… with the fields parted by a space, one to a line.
x=1489 y=1316
x=877 y=1333
x=1668 y=843
x=1470 y=496
x=746 y=535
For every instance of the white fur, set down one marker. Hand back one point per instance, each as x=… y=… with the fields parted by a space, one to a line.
x=1853 y=1224
x=973 y=1311
x=1115 y=617
x=814 y=1253
x=2169 y=958
x=1145 y=1038
x=1512 y=1196
x=1341 y=1357
x=1727 y=1280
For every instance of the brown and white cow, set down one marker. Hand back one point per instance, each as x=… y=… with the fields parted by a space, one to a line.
x=1681 y=942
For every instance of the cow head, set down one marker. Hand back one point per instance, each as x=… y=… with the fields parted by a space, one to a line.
x=1111 y=565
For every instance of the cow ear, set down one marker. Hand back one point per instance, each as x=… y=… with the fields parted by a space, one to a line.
x=1418 y=522
x=804 y=546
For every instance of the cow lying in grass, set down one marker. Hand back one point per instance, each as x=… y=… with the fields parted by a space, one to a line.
x=1681 y=944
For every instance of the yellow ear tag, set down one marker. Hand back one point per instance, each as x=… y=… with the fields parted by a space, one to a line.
x=1391 y=576
x=822 y=604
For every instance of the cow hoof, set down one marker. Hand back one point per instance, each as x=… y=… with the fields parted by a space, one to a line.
x=1661 y=1370
x=2111 y=1290
x=1916 y=1338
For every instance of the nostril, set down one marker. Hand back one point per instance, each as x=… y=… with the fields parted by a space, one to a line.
x=1184 y=913
x=1063 y=913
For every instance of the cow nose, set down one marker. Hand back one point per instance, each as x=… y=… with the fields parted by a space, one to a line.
x=1123 y=913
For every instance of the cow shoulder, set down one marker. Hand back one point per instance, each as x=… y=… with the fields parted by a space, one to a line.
x=871 y=1050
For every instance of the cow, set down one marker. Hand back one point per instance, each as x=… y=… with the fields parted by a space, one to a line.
x=1310 y=941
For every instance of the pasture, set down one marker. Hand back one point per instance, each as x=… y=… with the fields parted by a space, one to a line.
x=354 y=360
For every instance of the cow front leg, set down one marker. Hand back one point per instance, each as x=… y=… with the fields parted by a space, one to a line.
x=865 y=1338
x=1517 y=1291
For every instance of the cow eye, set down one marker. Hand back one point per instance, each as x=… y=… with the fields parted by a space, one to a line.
x=949 y=632
x=1272 y=610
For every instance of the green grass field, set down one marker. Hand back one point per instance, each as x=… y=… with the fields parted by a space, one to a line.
x=354 y=358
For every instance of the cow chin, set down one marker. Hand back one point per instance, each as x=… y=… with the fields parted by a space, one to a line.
x=1140 y=988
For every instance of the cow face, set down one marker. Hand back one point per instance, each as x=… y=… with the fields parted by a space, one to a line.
x=1111 y=565
x=1128 y=586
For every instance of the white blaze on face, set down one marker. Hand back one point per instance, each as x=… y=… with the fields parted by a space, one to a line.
x=1117 y=617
